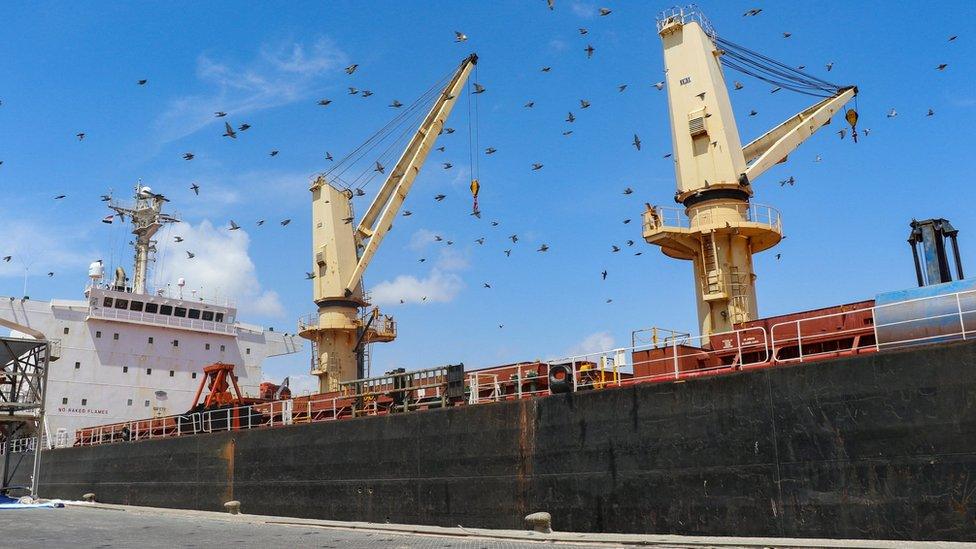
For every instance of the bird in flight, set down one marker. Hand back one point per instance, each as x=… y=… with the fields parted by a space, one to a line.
x=752 y=13
x=285 y=222
x=220 y=114
x=789 y=181
x=244 y=127
x=787 y=34
x=738 y=85
x=351 y=68
x=478 y=88
x=229 y=131
x=309 y=276
x=480 y=241
x=80 y=136
x=367 y=93
x=407 y=213
x=621 y=87
x=636 y=142
x=536 y=166
x=178 y=239
x=513 y=238
x=605 y=12
x=584 y=103
x=583 y=31
x=460 y=36
x=659 y=85
x=892 y=113
x=614 y=248
x=328 y=156
x=589 y=49
x=942 y=67
x=440 y=197
x=508 y=253
x=486 y=285
x=570 y=118
x=142 y=82
x=195 y=188
x=233 y=226
x=543 y=248
x=448 y=165
x=188 y=156
x=190 y=255
x=491 y=150
x=274 y=152
x=7 y=258
x=546 y=69
x=379 y=167
x=829 y=66
x=396 y=104
x=930 y=113
x=353 y=91
x=324 y=102
x=604 y=274
x=529 y=105
x=50 y=274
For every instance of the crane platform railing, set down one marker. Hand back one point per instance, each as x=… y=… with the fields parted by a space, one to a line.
x=660 y=217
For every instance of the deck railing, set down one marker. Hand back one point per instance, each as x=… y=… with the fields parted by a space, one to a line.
x=942 y=318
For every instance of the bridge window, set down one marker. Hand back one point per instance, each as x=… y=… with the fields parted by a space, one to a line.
x=194 y=376
x=128 y=402
x=121 y=303
x=77 y=365
x=125 y=369
x=152 y=308
x=247 y=351
x=64 y=400
x=150 y=340
x=223 y=348
x=107 y=302
x=194 y=314
x=180 y=312
x=208 y=315
x=135 y=306
x=176 y=343
x=172 y=373
x=84 y=402
x=115 y=336
x=66 y=330
x=98 y=334
x=166 y=310
x=147 y=404
x=206 y=346
x=219 y=317
x=148 y=371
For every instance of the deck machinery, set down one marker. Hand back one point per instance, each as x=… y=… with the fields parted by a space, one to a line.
x=719 y=229
x=341 y=252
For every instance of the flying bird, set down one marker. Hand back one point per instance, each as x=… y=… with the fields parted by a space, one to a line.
x=621 y=87
x=508 y=253
x=188 y=156
x=195 y=188
x=536 y=166
x=460 y=36
x=892 y=113
x=260 y=222
x=50 y=274
x=605 y=12
x=243 y=127
x=529 y=105
x=190 y=255
x=930 y=113
x=229 y=131
x=753 y=112
x=379 y=167
x=738 y=85
x=752 y=13
x=570 y=118
x=486 y=285
x=178 y=239
x=7 y=258
x=584 y=103
x=285 y=222
x=636 y=142
x=842 y=133
x=787 y=34
x=491 y=150
x=220 y=114
x=628 y=190
x=448 y=165
x=108 y=219
x=441 y=148
x=233 y=226
x=478 y=88
x=440 y=197
x=60 y=196
x=513 y=238
x=790 y=181
x=604 y=275
x=407 y=213
x=953 y=37
x=328 y=156
x=480 y=241
x=396 y=104
x=351 y=68
x=546 y=69
x=80 y=136
x=589 y=49
x=614 y=248
x=942 y=67
x=776 y=89
x=568 y=132
x=829 y=66
x=142 y=82
x=274 y=152
x=659 y=85
x=543 y=248
x=367 y=93
x=324 y=102
x=583 y=31
x=353 y=91
x=309 y=276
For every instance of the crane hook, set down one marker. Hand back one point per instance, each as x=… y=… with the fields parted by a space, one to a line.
x=851 y=117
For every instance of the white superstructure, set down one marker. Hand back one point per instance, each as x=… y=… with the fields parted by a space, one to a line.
x=128 y=353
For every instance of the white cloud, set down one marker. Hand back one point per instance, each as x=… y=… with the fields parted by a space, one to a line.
x=594 y=343
x=277 y=77
x=450 y=259
x=42 y=248
x=438 y=286
x=221 y=268
x=420 y=239
x=583 y=9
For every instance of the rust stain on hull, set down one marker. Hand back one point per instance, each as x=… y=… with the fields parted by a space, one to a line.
x=523 y=471
x=227 y=452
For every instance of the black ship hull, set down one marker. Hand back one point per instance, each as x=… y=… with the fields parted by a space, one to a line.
x=873 y=446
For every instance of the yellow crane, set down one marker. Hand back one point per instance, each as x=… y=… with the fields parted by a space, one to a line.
x=719 y=229
x=342 y=251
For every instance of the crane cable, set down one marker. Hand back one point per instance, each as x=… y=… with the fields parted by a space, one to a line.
x=774 y=72
x=474 y=158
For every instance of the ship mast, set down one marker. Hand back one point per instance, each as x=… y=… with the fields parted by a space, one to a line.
x=719 y=229
x=147 y=218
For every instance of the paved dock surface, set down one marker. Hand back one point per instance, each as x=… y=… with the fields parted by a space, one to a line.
x=108 y=526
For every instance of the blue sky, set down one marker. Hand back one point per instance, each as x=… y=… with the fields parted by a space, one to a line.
x=72 y=67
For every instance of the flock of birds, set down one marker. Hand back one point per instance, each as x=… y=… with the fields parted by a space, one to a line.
x=234 y=131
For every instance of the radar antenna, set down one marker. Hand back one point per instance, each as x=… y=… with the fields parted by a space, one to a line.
x=147 y=218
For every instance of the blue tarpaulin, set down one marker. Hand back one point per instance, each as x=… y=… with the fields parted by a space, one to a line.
x=7 y=502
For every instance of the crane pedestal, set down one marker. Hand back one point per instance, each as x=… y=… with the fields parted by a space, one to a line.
x=719 y=237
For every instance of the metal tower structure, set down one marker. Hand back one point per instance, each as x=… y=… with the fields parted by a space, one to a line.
x=147 y=218
x=719 y=228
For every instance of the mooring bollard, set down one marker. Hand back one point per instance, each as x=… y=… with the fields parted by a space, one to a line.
x=540 y=522
x=233 y=507
x=89 y=497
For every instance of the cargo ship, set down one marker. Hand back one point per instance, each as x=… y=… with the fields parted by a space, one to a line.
x=850 y=421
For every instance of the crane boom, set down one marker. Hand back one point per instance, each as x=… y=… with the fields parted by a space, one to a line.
x=376 y=222
x=775 y=145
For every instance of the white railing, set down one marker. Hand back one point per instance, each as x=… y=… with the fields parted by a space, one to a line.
x=708 y=216
x=680 y=356
x=162 y=320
